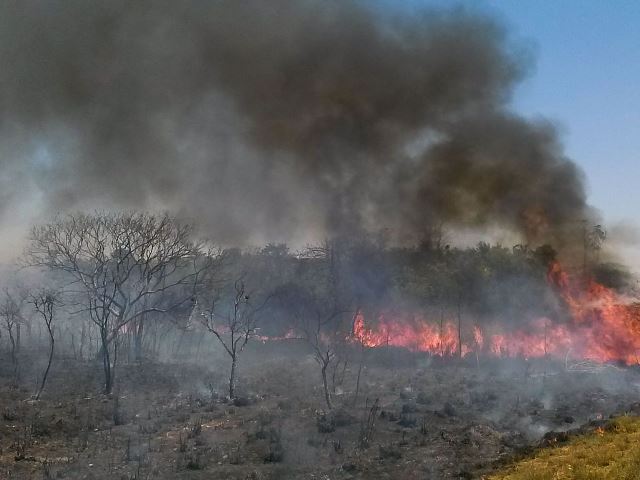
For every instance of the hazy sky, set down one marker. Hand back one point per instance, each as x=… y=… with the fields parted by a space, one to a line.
x=585 y=62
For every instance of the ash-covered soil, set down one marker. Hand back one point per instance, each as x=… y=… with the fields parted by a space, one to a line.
x=414 y=418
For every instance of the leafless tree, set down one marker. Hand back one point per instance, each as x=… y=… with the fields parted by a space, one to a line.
x=233 y=328
x=321 y=308
x=120 y=267
x=367 y=427
x=361 y=336
x=45 y=302
x=326 y=334
x=11 y=307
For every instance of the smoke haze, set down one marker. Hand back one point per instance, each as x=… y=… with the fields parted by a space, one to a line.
x=279 y=120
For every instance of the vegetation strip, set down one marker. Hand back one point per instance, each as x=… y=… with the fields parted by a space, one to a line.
x=610 y=452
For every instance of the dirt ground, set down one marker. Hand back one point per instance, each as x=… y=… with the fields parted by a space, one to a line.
x=414 y=418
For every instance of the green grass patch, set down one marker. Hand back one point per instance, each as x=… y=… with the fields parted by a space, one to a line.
x=609 y=453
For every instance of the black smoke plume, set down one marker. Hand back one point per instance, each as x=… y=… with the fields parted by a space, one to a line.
x=276 y=120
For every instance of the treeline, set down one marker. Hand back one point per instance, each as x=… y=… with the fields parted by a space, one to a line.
x=107 y=285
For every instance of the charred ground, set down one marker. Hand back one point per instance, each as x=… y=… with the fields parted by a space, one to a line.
x=132 y=351
x=432 y=418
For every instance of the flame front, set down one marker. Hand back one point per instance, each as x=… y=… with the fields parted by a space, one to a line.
x=603 y=326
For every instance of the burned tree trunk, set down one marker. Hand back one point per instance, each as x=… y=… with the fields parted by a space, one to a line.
x=325 y=386
x=232 y=378
x=14 y=356
x=106 y=362
x=137 y=340
x=45 y=303
x=46 y=372
x=361 y=363
x=236 y=328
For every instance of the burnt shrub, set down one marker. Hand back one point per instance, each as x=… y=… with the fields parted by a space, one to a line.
x=150 y=427
x=190 y=461
x=262 y=432
x=193 y=463
x=409 y=408
x=423 y=398
x=285 y=405
x=449 y=410
x=407 y=421
x=389 y=452
x=275 y=452
x=265 y=418
x=337 y=446
x=325 y=423
x=118 y=415
x=342 y=418
x=40 y=427
x=241 y=402
x=388 y=415
x=314 y=442
x=329 y=421
x=350 y=467
x=424 y=428
x=9 y=415
x=195 y=429
x=405 y=394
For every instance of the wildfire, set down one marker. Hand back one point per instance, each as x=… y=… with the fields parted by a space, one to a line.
x=603 y=326
x=289 y=335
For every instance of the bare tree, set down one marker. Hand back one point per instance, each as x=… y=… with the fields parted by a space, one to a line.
x=365 y=340
x=11 y=307
x=325 y=332
x=320 y=307
x=233 y=328
x=120 y=267
x=45 y=303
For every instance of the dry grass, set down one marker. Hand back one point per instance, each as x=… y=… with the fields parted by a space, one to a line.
x=608 y=453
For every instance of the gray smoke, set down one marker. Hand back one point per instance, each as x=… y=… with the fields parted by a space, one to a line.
x=275 y=120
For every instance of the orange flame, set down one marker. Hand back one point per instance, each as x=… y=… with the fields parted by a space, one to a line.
x=603 y=326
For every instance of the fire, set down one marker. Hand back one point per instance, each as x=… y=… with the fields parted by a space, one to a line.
x=289 y=335
x=602 y=326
